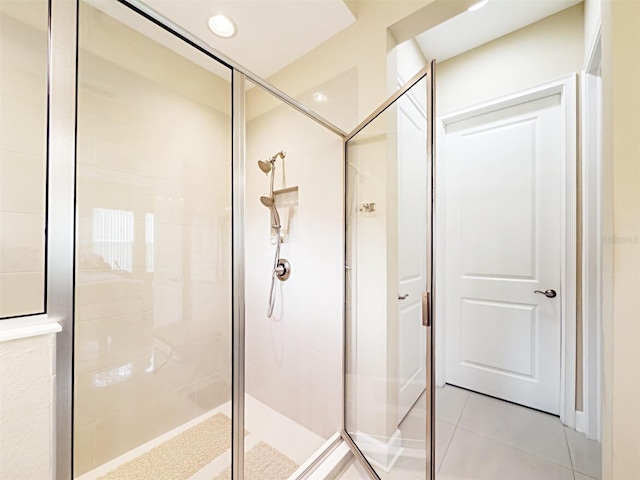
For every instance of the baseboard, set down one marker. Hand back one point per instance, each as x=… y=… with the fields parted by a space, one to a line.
x=382 y=454
x=580 y=421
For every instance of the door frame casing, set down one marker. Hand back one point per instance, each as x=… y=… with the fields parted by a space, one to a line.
x=592 y=259
x=567 y=88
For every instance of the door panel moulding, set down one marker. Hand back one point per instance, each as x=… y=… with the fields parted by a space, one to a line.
x=566 y=87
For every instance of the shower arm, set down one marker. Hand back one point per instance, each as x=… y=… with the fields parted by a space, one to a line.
x=273 y=175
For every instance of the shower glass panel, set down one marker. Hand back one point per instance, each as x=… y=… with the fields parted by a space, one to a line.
x=23 y=155
x=388 y=400
x=294 y=353
x=152 y=367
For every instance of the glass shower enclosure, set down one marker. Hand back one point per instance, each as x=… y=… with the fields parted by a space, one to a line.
x=173 y=361
x=388 y=342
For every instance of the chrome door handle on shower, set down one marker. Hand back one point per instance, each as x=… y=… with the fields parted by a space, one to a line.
x=402 y=297
x=547 y=293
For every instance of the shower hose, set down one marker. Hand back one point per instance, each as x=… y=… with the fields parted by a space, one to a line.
x=274 y=271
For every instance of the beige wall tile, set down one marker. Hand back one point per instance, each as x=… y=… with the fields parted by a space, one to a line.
x=117 y=434
x=83 y=440
x=153 y=295
x=22 y=242
x=22 y=124
x=103 y=392
x=23 y=48
x=22 y=183
x=21 y=293
x=112 y=342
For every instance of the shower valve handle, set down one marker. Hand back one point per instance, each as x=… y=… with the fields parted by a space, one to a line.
x=283 y=270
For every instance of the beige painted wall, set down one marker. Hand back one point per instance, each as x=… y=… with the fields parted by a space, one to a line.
x=621 y=226
x=363 y=45
x=533 y=55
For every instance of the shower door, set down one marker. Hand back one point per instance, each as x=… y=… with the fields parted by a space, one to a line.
x=389 y=185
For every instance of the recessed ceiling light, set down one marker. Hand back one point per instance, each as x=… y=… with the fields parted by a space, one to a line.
x=319 y=97
x=222 y=26
x=477 y=6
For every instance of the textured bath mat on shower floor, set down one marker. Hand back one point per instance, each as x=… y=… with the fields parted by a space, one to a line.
x=263 y=462
x=180 y=457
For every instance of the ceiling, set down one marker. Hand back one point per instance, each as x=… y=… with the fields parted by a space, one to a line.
x=472 y=29
x=271 y=33
x=275 y=33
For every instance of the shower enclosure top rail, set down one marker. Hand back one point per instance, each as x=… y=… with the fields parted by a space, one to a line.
x=207 y=49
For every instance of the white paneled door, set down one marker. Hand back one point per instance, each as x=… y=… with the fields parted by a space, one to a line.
x=412 y=250
x=503 y=210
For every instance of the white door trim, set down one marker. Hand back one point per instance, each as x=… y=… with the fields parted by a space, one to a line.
x=591 y=91
x=567 y=88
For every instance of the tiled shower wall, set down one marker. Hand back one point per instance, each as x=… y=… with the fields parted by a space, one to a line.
x=23 y=133
x=153 y=255
x=294 y=359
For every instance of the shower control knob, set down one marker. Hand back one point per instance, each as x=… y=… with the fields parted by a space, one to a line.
x=283 y=270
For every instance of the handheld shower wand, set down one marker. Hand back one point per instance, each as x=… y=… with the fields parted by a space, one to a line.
x=281 y=269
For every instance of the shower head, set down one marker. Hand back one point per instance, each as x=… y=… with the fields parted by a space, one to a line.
x=270 y=203
x=267 y=201
x=269 y=164
x=265 y=166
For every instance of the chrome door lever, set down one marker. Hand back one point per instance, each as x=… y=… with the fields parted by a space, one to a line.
x=547 y=293
x=402 y=297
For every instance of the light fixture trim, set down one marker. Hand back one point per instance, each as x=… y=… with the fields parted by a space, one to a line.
x=222 y=25
x=477 y=6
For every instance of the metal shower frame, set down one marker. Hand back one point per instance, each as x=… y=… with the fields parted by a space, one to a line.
x=62 y=98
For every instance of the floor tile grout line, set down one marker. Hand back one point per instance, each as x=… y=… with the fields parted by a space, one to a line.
x=455 y=429
x=566 y=440
x=464 y=407
x=516 y=448
x=446 y=450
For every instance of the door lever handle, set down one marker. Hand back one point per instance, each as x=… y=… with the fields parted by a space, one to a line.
x=402 y=297
x=547 y=293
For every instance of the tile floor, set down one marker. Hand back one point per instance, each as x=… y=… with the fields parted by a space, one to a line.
x=481 y=438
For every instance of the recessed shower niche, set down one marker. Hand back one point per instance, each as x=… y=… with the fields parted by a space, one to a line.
x=286 y=201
